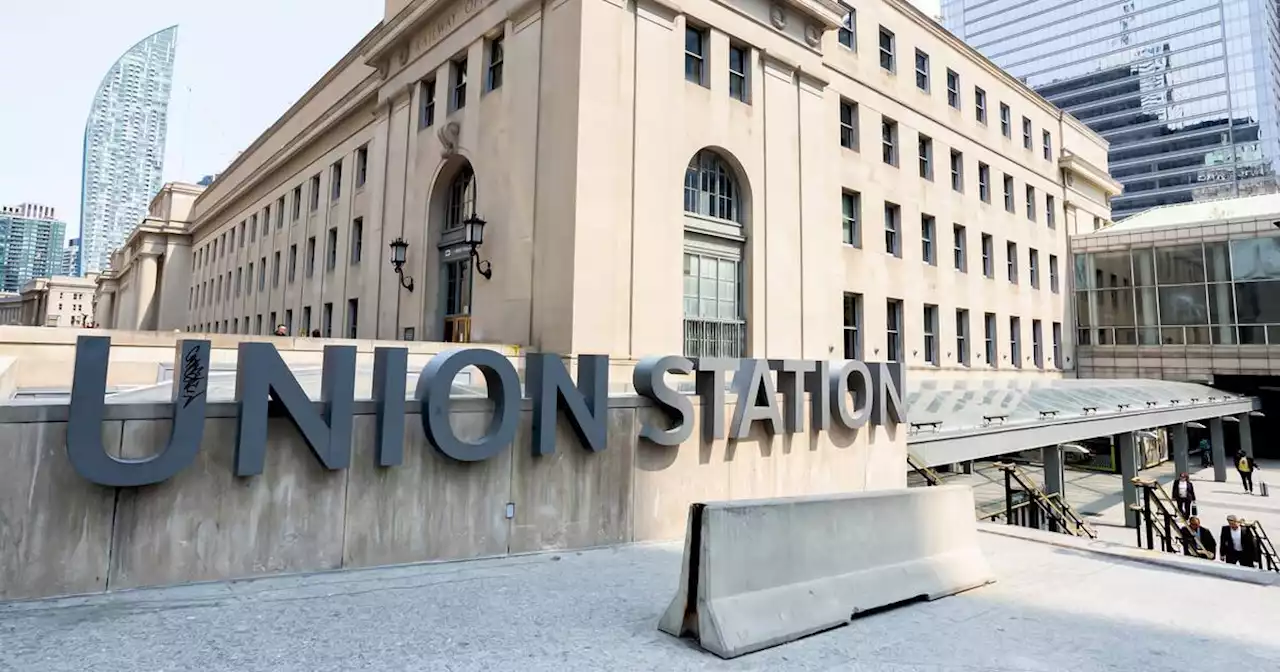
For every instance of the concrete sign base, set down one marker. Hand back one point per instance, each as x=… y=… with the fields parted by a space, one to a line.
x=765 y=572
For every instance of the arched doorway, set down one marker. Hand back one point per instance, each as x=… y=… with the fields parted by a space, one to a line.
x=456 y=276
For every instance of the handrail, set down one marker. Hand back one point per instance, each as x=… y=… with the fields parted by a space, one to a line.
x=1268 y=559
x=1060 y=513
x=1154 y=493
x=930 y=476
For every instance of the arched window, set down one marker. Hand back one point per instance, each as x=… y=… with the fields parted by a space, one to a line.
x=710 y=188
x=462 y=198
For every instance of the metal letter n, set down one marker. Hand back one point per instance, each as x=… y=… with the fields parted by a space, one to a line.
x=587 y=403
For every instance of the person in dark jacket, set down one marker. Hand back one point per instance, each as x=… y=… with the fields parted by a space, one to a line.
x=1237 y=545
x=1192 y=533
x=1184 y=494
x=1246 y=466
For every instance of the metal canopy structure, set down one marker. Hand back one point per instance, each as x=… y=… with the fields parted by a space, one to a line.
x=952 y=421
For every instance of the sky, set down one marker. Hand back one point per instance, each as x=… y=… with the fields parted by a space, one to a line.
x=240 y=64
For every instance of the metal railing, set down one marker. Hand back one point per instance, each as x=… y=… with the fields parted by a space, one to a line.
x=930 y=476
x=1159 y=517
x=713 y=338
x=1029 y=506
x=1267 y=558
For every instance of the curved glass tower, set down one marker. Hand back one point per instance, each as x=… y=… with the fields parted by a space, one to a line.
x=124 y=147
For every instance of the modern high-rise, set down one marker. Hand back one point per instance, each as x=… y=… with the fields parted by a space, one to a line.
x=124 y=142
x=70 y=257
x=30 y=244
x=1185 y=91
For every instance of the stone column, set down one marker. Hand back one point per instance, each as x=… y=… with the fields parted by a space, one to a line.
x=1128 y=471
x=1181 y=464
x=1218 y=445
x=1054 y=476
x=144 y=286
x=1246 y=435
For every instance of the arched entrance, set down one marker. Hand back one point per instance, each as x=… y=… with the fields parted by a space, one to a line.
x=456 y=273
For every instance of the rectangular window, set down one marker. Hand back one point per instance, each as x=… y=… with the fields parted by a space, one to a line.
x=1037 y=344
x=331 y=250
x=984 y=182
x=925 y=145
x=335 y=181
x=1011 y=261
x=848 y=34
x=960 y=250
x=357 y=239
x=275 y=275
x=953 y=88
x=892 y=226
x=239 y=279
x=293 y=262
x=931 y=334
x=988 y=256
x=327 y=325
x=739 y=72
x=695 y=56
x=362 y=165
x=889 y=141
x=989 y=338
x=1033 y=267
x=262 y=272
x=1031 y=203
x=852 y=326
x=493 y=75
x=306 y=320
x=353 y=318
x=1006 y=121
x=1057 y=345
x=922 y=71
x=851 y=204
x=427 y=103
x=1026 y=133
x=962 y=337
x=232 y=233
x=1049 y=211
x=887 y=57
x=1048 y=146
x=288 y=321
x=457 y=92
x=248 y=280
x=273 y=321
x=928 y=233
x=980 y=105
x=893 y=330
x=315 y=192
x=280 y=208
x=957 y=171
x=1053 y=273
x=257 y=324
x=253 y=230
x=243 y=226
x=1015 y=342
x=848 y=124
x=1008 y=192
x=311 y=256
x=266 y=220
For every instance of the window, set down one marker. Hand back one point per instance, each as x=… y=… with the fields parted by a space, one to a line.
x=331 y=250
x=1026 y=133
x=695 y=57
x=335 y=181
x=357 y=239
x=1053 y=273
x=848 y=124
x=852 y=326
x=889 y=141
x=293 y=262
x=928 y=233
x=353 y=318
x=851 y=204
x=257 y=324
x=457 y=95
x=311 y=256
x=710 y=189
x=931 y=334
x=362 y=165
x=893 y=330
x=262 y=271
x=239 y=279
x=962 y=337
x=957 y=171
x=848 y=34
x=925 y=144
x=243 y=226
x=1011 y=261
x=1031 y=203
x=892 y=225
x=953 y=88
x=248 y=280
x=493 y=75
x=989 y=338
x=315 y=192
x=980 y=105
x=266 y=219
x=922 y=71
x=232 y=233
x=1037 y=344
x=297 y=198
x=275 y=275
x=427 y=103
x=1049 y=209
x=273 y=321
x=713 y=316
x=960 y=253
x=1006 y=121
x=988 y=254
x=461 y=203
x=235 y=325
x=1048 y=145
x=1033 y=267
x=1008 y=192
x=984 y=182
x=1057 y=345
x=253 y=230
x=306 y=320
x=739 y=72
x=886 y=50
x=1015 y=341
x=327 y=326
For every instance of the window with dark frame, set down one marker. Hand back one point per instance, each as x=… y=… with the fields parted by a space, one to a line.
x=892 y=229
x=848 y=124
x=925 y=147
x=960 y=254
x=1006 y=121
x=493 y=74
x=695 y=55
x=953 y=88
x=739 y=72
x=889 y=141
x=893 y=330
x=848 y=33
x=427 y=103
x=851 y=217
x=922 y=71
x=980 y=105
x=458 y=88
x=989 y=338
x=962 y=337
x=930 y=334
x=852 y=326
x=957 y=171
x=928 y=240
x=887 y=56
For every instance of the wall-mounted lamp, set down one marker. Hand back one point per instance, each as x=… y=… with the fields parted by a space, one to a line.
x=1257 y=414
x=1195 y=425
x=1230 y=418
x=473 y=235
x=398 y=250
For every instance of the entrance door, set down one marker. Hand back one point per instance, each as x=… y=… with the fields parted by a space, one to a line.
x=457 y=301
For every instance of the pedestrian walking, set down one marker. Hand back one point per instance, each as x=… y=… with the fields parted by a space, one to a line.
x=1192 y=533
x=1184 y=495
x=1246 y=466
x=1237 y=545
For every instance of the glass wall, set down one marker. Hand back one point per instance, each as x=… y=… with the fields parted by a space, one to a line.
x=1215 y=293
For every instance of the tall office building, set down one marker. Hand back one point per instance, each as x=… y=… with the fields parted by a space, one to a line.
x=1185 y=91
x=30 y=244
x=70 y=257
x=124 y=147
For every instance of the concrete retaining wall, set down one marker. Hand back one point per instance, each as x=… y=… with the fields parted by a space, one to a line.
x=59 y=534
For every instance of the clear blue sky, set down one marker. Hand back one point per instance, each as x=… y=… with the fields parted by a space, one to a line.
x=240 y=65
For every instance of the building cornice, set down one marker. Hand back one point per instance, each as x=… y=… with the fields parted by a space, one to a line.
x=1098 y=176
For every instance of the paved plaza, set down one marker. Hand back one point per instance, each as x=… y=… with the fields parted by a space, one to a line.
x=1052 y=609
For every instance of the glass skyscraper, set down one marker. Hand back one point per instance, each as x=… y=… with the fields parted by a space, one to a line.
x=124 y=147
x=1186 y=91
x=30 y=245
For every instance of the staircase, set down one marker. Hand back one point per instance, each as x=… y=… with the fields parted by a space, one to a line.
x=1268 y=559
x=1028 y=505
x=930 y=476
x=1164 y=523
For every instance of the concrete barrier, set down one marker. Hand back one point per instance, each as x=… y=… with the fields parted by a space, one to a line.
x=765 y=572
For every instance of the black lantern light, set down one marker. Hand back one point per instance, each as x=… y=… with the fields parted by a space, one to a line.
x=398 y=250
x=473 y=235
